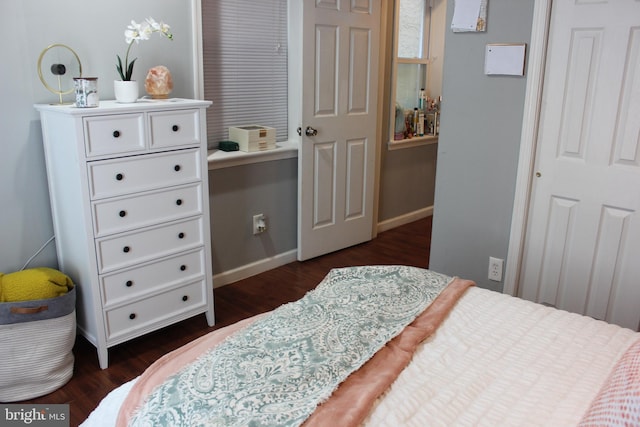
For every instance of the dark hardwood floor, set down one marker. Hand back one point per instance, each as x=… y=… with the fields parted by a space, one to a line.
x=407 y=245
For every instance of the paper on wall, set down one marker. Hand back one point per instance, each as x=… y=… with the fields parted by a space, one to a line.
x=469 y=15
x=505 y=59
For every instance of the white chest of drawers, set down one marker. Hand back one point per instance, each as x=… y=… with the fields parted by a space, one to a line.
x=129 y=199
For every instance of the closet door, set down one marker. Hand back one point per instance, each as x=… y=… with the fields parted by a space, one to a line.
x=582 y=241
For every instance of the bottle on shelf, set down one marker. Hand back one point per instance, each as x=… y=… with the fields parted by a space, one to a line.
x=400 y=126
x=408 y=119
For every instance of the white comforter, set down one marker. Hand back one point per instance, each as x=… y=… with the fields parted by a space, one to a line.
x=495 y=361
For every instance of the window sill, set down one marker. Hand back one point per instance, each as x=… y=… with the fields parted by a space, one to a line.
x=412 y=142
x=219 y=159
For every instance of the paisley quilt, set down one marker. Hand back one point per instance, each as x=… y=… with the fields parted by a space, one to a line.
x=278 y=369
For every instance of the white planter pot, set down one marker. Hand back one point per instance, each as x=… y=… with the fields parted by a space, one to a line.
x=126 y=91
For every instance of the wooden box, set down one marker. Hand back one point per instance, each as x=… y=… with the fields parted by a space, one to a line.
x=252 y=138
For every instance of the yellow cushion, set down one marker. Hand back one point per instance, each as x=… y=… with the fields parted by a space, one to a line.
x=33 y=284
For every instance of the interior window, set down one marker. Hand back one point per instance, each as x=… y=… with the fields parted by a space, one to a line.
x=414 y=113
x=244 y=45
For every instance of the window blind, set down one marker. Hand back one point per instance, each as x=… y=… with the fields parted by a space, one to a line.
x=245 y=65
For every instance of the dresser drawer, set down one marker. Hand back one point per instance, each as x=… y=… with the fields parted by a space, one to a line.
x=155 y=310
x=114 y=134
x=168 y=272
x=140 y=210
x=174 y=128
x=124 y=250
x=108 y=178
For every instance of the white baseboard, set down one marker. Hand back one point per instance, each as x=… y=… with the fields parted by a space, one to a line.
x=404 y=219
x=254 y=268
x=267 y=264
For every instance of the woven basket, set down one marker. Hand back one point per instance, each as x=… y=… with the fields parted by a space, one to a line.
x=37 y=339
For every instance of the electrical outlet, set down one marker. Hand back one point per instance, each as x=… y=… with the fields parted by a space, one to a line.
x=259 y=224
x=495 y=269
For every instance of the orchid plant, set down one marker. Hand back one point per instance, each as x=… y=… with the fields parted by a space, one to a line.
x=136 y=32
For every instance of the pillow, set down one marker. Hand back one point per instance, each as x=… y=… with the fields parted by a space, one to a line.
x=618 y=401
x=33 y=284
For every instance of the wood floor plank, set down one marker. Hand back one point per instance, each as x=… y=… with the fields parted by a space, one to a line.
x=405 y=245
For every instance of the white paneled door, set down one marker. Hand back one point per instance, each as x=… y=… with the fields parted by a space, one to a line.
x=338 y=122
x=582 y=245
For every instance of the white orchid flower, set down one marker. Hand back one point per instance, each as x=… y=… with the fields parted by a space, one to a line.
x=137 y=32
x=152 y=22
x=132 y=32
x=166 y=30
x=145 y=31
x=130 y=35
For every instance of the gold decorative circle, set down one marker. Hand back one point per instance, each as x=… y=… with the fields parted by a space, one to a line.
x=58 y=91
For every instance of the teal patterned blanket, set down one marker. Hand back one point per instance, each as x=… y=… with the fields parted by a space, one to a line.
x=277 y=370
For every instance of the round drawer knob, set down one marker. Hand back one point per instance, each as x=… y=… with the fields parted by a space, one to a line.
x=175 y=128
x=126 y=249
x=119 y=177
x=129 y=283
x=116 y=134
x=185 y=297
x=176 y=168
x=122 y=214
x=180 y=235
x=183 y=267
x=179 y=202
x=132 y=316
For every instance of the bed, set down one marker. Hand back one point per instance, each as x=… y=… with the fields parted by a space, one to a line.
x=393 y=346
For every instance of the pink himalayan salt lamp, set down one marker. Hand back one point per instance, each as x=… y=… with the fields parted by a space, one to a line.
x=159 y=83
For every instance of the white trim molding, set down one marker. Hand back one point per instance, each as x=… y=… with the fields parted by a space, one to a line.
x=254 y=268
x=404 y=219
x=196 y=43
x=526 y=160
x=218 y=159
x=266 y=264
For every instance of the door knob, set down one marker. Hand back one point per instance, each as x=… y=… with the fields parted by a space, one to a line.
x=309 y=131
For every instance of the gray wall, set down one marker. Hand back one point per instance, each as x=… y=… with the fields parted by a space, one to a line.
x=407 y=180
x=95 y=31
x=478 y=149
x=236 y=194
